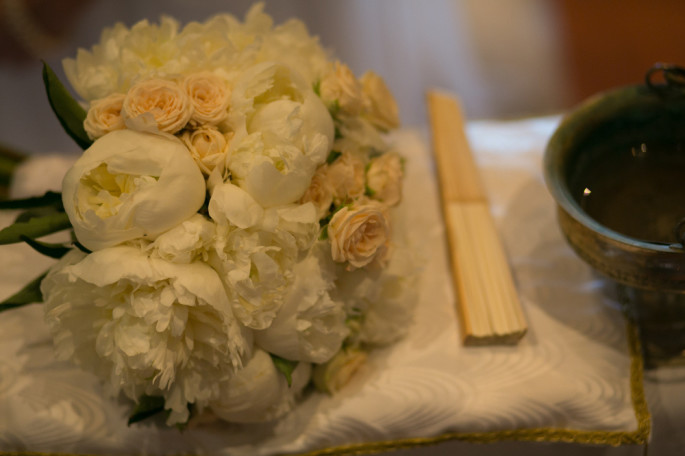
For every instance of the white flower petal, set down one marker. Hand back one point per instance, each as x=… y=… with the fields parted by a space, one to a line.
x=283 y=132
x=185 y=242
x=310 y=326
x=145 y=326
x=234 y=205
x=271 y=187
x=259 y=392
x=128 y=185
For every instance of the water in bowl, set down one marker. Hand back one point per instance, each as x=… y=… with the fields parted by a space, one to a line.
x=637 y=190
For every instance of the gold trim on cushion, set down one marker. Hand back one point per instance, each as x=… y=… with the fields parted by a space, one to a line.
x=640 y=436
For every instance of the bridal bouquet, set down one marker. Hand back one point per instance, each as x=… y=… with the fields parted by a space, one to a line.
x=233 y=216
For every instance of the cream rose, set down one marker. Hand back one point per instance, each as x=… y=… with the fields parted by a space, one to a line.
x=320 y=192
x=165 y=100
x=384 y=178
x=341 y=88
x=130 y=185
x=104 y=116
x=380 y=105
x=209 y=95
x=333 y=375
x=346 y=177
x=360 y=234
x=208 y=147
x=145 y=326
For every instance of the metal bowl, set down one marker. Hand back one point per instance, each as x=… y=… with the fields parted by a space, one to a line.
x=598 y=135
x=647 y=266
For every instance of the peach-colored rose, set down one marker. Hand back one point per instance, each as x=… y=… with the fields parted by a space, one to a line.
x=346 y=177
x=384 y=178
x=164 y=99
x=341 y=86
x=319 y=192
x=379 y=103
x=208 y=147
x=360 y=234
x=104 y=116
x=210 y=96
x=334 y=374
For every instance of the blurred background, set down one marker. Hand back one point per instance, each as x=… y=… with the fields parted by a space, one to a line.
x=504 y=59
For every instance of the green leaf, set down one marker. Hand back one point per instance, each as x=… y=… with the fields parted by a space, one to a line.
x=284 y=366
x=333 y=156
x=334 y=109
x=28 y=295
x=48 y=199
x=69 y=113
x=11 y=153
x=35 y=228
x=7 y=166
x=81 y=247
x=191 y=412
x=147 y=406
x=36 y=212
x=323 y=235
x=52 y=250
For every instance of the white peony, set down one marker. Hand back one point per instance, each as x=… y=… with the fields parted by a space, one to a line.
x=129 y=185
x=255 y=273
x=150 y=49
x=283 y=132
x=145 y=326
x=289 y=43
x=231 y=205
x=310 y=326
x=254 y=250
x=295 y=226
x=124 y=56
x=186 y=242
x=259 y=392
x=218 y=45
x=95 y=74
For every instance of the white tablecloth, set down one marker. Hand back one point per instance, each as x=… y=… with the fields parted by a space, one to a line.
x=568 y=379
